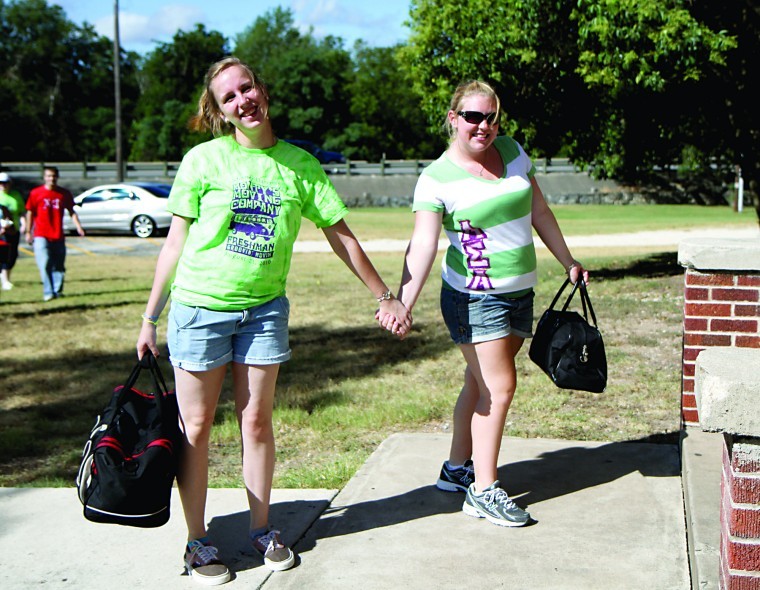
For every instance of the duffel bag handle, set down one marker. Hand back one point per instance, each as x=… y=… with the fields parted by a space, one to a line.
x=148 y=361
x=585 y=299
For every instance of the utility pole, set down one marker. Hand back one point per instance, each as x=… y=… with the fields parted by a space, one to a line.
x=117 y=92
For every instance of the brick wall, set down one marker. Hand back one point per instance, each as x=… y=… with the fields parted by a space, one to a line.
x=720 y=309
x=740 y=515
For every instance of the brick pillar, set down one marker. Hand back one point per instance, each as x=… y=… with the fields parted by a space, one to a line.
x=728 y=399
x=721 y=304
x=740 y=515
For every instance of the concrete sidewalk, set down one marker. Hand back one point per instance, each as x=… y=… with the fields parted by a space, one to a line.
x=609 y=516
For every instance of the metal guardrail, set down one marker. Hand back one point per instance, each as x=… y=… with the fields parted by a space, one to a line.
x=135 y=170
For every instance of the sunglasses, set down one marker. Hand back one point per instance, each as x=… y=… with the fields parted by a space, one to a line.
x=476 y=117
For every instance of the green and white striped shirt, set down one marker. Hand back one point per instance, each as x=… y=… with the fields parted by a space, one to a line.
x=488 y=222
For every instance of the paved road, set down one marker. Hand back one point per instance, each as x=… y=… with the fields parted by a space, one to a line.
x=131 y=246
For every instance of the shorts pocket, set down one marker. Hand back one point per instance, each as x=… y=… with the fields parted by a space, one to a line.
x=183 y=316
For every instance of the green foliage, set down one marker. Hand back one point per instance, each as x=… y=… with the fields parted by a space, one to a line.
x=306 y=78
x=621 y=86
x=525 y=49
x=56 y=84
x=171 y=79
x=386 y=118
x=647 y=43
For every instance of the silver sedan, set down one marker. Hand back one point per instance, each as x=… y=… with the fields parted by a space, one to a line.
x=138 y=207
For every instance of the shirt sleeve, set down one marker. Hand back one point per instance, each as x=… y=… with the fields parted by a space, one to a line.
x=530 y=168
x=184 y=198
x=323 y=205
x=426 y=195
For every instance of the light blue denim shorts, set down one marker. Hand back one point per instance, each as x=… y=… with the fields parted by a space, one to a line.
x=202 y=339
x=473 y=318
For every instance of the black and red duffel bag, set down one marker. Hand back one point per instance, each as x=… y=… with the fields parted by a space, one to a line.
x=130 y=459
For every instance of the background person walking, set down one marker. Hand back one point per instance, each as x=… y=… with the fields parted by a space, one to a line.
x=13 y=201
x=237 y=202
x=483 y=191
x=44 y=230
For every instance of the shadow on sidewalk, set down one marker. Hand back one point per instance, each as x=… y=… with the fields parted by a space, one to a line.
x=571 y=469
x=549 y=475
x=230 y=531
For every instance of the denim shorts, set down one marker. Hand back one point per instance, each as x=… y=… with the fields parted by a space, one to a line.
x=202 y=339
x=473 y=318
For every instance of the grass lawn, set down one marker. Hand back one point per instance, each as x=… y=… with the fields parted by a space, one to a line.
x=375 y=223
x=349 y=384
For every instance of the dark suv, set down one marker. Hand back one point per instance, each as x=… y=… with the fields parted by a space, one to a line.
x=323 y=156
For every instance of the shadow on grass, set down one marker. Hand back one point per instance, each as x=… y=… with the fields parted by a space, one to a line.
x=322 y=359
x=40 y=439
x=77 y=307
x=662 y=264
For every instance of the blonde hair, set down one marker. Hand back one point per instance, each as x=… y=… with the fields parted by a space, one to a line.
x=209 y=116
x=465 y=89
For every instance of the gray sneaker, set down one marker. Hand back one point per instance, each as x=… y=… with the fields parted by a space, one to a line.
x=494 y=505
x=456 y=480
x=277 y=557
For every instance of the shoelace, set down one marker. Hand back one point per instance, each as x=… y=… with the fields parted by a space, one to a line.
x=204 y=553
x=499 y=496
x=270 y=538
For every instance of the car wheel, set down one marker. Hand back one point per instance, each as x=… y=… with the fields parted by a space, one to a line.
x=143 y=226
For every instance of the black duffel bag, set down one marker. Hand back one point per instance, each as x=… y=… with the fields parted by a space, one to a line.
x=569 y=349
x=130 y=459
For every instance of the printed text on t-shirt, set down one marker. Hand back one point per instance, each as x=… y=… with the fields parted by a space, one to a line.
x=473 y=242
x=255 y=208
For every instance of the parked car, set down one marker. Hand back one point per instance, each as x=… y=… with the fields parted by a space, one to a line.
x=137 y=207
x=324 y=156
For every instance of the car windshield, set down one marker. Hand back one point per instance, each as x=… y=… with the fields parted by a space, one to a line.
x=160 y=190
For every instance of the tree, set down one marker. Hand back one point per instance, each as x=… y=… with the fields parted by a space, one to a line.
x=612 y=82
x=729 y=130
x=171 y=80
x=648 y=61
x=306 y=78
x=523 y=48
x=54 y=76
x=386 y=116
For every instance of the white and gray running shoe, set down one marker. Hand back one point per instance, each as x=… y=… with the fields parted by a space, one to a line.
x=456 y=480
x=494 y=505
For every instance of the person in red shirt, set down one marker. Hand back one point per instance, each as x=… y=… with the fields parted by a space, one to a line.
x=44 y=229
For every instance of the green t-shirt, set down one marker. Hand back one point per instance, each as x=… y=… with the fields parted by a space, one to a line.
x=15 y=204
x=246 y=206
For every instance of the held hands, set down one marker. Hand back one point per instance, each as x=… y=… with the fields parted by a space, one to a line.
x=394 y=317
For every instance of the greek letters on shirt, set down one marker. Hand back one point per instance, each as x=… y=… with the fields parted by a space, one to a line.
x=255 y=209
x=473 y=243
x=48 y=203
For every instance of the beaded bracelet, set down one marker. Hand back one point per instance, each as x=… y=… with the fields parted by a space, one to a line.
x=151 y=319
x=387 y=296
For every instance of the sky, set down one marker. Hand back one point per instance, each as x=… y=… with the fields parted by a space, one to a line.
x=142 y=23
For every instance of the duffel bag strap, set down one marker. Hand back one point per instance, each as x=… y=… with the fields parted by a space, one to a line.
x=559 y=294
x=161 y=390
x=585 y=299
x=148 y=361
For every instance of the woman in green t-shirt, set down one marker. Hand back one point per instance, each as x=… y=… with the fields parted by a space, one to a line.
x=237 y=202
